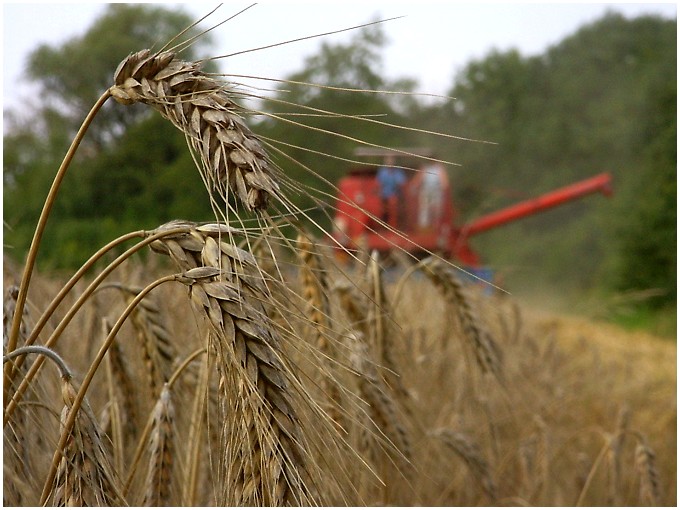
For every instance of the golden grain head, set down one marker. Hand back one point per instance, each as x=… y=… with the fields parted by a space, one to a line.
x=232 y=159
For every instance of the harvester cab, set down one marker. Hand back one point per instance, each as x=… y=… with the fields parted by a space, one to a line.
x=401 y=199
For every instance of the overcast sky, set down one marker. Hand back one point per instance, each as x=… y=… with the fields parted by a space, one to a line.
x=430 y=43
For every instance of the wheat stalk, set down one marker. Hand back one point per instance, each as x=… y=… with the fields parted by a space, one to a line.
x=383 y=329
x=124 y=387
x=527 y=464
x=196 y=433
x=32 y=255
x=8 y=310
x=353 y=302
x=371 y=319
x=615 y=450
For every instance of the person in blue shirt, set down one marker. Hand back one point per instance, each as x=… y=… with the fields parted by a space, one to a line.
x=391 y=180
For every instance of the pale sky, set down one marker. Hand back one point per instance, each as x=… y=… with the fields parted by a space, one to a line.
x=433 y=40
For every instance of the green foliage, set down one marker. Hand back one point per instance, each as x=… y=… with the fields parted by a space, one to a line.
x=602 y=99
x=661 y=321
x=649 y=241
x=132 y=170
x=560 y=117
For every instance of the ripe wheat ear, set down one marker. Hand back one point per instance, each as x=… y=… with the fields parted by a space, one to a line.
x=231 y=156
x=265 y=457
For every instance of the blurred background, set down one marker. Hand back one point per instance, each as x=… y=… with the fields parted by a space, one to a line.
x=562 y=91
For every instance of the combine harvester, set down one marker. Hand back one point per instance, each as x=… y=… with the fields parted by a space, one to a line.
x=423 y=218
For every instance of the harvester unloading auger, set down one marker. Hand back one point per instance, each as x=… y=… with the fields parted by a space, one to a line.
x=422 y=218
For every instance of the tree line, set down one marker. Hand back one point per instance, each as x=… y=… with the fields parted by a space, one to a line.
x=602 y=99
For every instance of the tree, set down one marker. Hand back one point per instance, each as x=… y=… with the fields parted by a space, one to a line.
x=492 y=98
x=113 y=171
x=648 y=243
x=576 y=110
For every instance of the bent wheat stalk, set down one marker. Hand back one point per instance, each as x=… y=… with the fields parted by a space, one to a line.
x=54 y=337
x=84 y=476
x=49 y=311
x=74 y=407
x=8 y=311
x=38 y=233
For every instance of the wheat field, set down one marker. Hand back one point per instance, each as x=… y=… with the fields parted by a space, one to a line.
x=237 y=364
x=381 y=400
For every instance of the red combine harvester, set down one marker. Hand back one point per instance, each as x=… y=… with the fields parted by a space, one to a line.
x=423 y=219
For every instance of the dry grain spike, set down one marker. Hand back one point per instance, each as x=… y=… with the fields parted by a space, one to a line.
x=468 y=450
x=384 y=411
x=231 y=156
x=315 y=289
x=265 y=457
x=487 y=352
x=645 y=463
x=316 y=292
x=154 y=338
x=85 y=476
x=159 y=478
